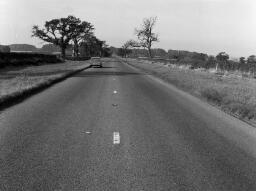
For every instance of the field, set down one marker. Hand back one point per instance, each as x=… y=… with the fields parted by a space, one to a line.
x=231 y=93
x=16 y=81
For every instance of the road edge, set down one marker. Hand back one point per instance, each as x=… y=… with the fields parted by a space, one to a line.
x=21 y=96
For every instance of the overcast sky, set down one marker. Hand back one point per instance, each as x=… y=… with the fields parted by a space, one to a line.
x=208 y=26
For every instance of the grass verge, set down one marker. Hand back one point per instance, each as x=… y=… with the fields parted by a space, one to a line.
x=18 y=83
x=232 y=94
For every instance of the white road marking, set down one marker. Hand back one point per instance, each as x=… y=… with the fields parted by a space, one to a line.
x=88 y=132
x=116 y=138
x=115 y=92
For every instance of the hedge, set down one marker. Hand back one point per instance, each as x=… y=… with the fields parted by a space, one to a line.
x=21 y=59
x=80 y=58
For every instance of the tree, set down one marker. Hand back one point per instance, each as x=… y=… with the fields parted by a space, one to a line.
x=132 y=44
x=124 y=51
x=57 y=31
x=222 y=58
x=251 y=60
x=242 y=60
x=126 y=48
x=145 y=34
x=242 y=64
x=210 y=62
x=82 y=30
x=92 y=46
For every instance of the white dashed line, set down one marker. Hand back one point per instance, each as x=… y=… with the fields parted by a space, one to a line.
x=88 y=132
x=116 y=138
x=115 y=92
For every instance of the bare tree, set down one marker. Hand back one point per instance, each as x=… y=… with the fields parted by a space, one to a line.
x=126 y=48
x=132 y=44
x=145 y=34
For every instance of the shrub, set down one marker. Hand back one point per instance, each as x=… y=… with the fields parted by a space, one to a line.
x=241 y=109
x=213 y=95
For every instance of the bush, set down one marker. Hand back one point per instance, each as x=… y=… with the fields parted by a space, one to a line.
x=241 y=109
x=213 y=95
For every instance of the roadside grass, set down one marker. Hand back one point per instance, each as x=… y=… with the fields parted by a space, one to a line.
x=16 y=82
x=231 y=93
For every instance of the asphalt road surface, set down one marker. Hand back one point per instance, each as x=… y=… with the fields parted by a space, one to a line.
x=116 y=128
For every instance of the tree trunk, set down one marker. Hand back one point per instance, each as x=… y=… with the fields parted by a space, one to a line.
x=63 y=52
x=149 y=52
x=217 y=66
x=76 y=48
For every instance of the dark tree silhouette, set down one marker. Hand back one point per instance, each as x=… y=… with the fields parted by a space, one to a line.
x=58 y=31
x=82 y=31
x=222 y=58
x=92 y=46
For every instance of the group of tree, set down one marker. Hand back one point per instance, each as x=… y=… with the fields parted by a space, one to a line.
x=145 y=38
x=220 y=62
x=64 y=32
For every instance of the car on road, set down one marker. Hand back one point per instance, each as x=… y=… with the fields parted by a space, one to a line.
x=96 y=62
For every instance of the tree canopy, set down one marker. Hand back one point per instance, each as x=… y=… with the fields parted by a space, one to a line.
x=63 y=31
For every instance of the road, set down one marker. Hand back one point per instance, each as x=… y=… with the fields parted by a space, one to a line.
x=117 y=128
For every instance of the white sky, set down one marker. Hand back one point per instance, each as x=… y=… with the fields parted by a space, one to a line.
x=208 y=26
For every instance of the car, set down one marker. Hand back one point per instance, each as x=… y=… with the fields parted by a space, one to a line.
x=96 y=62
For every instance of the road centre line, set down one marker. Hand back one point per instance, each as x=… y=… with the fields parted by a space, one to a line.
x=116 y=138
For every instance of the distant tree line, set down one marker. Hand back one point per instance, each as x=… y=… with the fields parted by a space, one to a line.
x=146 y=37
x=220 y=62
x=71 y=31
x=4 y=48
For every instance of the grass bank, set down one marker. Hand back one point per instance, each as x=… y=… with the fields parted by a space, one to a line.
x=20 y=82
x=231 y=93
